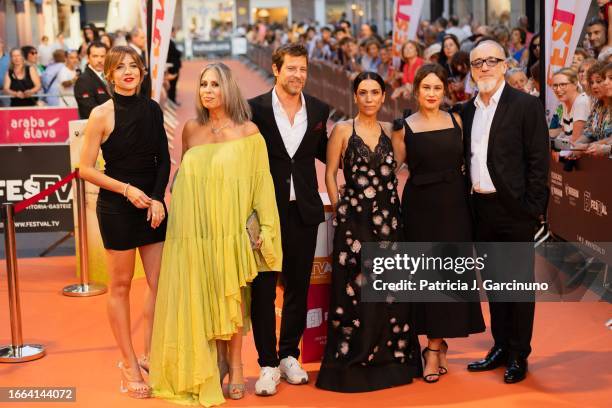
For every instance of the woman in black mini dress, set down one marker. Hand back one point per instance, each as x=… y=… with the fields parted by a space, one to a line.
x=131 y=212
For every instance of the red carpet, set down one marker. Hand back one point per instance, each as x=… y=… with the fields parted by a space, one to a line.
x=569 y=367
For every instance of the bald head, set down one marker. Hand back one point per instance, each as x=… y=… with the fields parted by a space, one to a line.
x=488 y=48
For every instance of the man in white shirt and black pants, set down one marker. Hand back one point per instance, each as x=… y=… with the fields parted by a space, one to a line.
x=294 y=127
x=507 y=153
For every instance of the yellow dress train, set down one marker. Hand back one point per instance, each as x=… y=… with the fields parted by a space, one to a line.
x=208 y=263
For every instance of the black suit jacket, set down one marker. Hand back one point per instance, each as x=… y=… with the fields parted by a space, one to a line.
x=518 y=152
x=302 y=165
x=89 y=91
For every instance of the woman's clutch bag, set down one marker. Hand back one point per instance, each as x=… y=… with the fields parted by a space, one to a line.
x=253 y=228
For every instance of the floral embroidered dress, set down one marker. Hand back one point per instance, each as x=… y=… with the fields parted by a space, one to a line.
x=370 y=346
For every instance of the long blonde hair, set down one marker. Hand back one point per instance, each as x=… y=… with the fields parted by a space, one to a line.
x=234 y=103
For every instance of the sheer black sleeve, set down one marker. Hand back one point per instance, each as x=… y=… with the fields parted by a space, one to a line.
x=162 y=158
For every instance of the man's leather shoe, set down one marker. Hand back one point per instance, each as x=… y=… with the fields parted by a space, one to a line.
x=516 y=370
x=496 y=357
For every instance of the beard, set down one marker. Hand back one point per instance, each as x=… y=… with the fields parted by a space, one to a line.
x=292 y=89
x=486 y=85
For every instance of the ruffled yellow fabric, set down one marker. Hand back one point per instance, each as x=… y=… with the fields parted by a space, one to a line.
x=208 y=262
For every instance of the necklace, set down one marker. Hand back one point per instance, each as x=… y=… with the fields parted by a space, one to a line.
x=219 y=129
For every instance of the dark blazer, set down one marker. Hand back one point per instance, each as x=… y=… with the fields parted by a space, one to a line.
x=89 y=91
x=518 y=153
x=302 y=165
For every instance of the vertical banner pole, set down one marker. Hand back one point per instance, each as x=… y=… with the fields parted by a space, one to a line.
x=85 y=288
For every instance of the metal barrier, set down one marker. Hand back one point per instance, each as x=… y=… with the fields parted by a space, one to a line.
x=16 y=352
x=332 y=84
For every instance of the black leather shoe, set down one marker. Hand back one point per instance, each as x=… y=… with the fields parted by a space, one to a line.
x=496 y=357
x=516 y=370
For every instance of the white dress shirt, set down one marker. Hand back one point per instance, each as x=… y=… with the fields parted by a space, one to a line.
x=292 y=134
x=99 y=74
x=481 y=127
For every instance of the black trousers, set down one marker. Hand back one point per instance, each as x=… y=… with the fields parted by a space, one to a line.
x=511 y=322
x=299 y=243
x=172 y=89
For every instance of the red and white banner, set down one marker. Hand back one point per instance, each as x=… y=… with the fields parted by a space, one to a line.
x=406 y=16
x=564 y=23
x=142 y=9
x=35 y=126
x=161 y=28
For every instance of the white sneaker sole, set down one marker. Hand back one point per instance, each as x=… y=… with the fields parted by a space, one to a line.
x=266 y=393
x=300 y=382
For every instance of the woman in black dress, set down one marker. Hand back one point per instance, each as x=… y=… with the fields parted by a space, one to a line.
x=435 y=208
x=370 y=346
x=21 y=81
x=131 y=212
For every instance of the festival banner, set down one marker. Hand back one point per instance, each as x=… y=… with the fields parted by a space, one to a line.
x=162 y=17
x=29 y=170
x=406 y=16
x=564 y=22
x=35 y=125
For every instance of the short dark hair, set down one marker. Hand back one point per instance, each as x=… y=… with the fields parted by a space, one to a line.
x=368 y=75
x=442 y=21
x=436 y=69
x=597 y=21
x=454 y=20
x=96 y=44
x=460 y=58
x=26 y=49
x=523 y=34
x=293 y=49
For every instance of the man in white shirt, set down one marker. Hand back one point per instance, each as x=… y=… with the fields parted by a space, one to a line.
x=294 y=127
x=507 y=152
x=67 y=77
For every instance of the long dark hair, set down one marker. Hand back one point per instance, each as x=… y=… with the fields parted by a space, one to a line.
x=368 y=75
x=444 y=61
x=532 y=58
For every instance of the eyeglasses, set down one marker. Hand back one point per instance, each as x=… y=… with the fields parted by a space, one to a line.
x=491 y=62
x=561 y=85
x=33 y=52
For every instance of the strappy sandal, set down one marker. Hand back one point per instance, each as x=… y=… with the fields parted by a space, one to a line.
x=444 y=349
x=433 y=377
x=236 y=391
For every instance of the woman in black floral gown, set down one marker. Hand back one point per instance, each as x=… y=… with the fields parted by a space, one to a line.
x=370 y=346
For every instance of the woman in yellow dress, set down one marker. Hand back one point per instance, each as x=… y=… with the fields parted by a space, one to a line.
x=208 y=260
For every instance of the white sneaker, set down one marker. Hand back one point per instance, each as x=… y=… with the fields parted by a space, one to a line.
x=269 y=378
x=291 y=371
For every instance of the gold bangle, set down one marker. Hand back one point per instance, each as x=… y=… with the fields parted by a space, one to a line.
x=127 y=185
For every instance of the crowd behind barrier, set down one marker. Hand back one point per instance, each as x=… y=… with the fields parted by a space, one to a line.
x=331 y=84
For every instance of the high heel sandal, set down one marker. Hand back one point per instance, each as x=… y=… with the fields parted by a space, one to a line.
x=236 y=391
x=223 y=370
x=134 y=389
x=441 y=369
x=143 y=362
x=428 y=377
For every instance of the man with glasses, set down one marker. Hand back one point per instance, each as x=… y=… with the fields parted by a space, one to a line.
x=507 y=158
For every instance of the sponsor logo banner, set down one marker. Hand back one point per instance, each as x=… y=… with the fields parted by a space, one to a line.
x=35 y=126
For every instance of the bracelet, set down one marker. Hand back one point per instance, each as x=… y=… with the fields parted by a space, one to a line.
x=127 y=185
